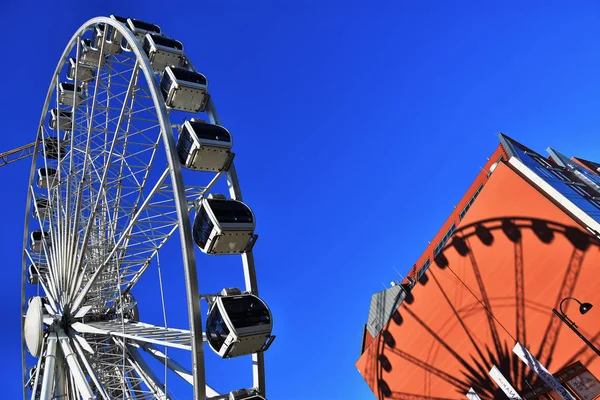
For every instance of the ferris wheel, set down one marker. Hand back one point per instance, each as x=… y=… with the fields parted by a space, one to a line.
x=121 y=127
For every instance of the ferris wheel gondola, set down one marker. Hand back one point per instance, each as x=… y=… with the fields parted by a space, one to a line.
x=238 y=324
x=204 y=147
x=163 y=51
x=69 y=94
x=80 y=72
x=46 y=178
x=223 y=226
x=106 y=194
x=184 y=90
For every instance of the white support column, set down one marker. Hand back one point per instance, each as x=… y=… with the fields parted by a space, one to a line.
x=49 y=366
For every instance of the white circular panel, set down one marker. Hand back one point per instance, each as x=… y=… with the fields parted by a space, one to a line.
x=34 y=326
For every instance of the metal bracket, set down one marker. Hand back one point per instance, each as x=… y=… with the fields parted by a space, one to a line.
x=228 y=162
x=251 y=243
x=268 y=343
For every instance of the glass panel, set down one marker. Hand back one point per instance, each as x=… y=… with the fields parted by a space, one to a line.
x=47 y=171
x=39 y=235
x=227 y=211
x=184 y=145
x=245 y=311
x=470 y=203
x=145 y=26
x=203 y=226
x=216 y=329
x=188 y=76
x=68 y=87
x=210 y=132
x=423 y=268
x=444 y=240
x=164 y=41
x=146 y=47
x=165 y=85
x=120 y=19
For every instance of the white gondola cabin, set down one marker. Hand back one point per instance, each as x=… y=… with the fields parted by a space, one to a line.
x=184 y=90
x=61 y=119
x=223 y=226
x=204 y=147
x=68 y=94
x=112 y=40
x=90 y=54
x=85 y=72
x=46 y=177
x=238 y=324
x=54 y=148
x=41 y=209
x=162 y=51
x=37 y=240
x=244 y=394
x=35 y=271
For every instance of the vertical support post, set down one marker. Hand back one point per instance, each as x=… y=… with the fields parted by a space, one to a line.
x=49 y=366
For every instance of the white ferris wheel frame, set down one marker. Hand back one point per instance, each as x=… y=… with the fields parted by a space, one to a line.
x=187 y=244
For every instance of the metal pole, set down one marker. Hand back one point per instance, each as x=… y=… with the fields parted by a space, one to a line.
x=48 y=379
x=571 y=325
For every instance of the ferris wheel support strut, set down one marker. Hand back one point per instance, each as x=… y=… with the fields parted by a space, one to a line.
x=49 y=366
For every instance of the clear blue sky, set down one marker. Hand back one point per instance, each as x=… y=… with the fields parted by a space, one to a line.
x=357 y=127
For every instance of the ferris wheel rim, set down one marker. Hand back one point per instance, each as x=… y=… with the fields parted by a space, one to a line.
x=188 y=256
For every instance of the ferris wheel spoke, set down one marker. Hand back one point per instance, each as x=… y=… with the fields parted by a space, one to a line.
x=173 y=365
x=135 y=360
x=125 y=233
x=92 y=112
x=138 y=331
x=109 y=156
x=90 y=370
x=75 y=370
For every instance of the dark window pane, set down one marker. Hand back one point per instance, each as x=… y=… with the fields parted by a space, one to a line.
x=47 y=172
x=69 y=87
x=210 y=132
x=120 y=19
x=245 y=311
x=164 y=41
x=189 y=76
x=202 y=228
x=165 y=85
x=184 y=145
x=216 y=329
x=230 y=211
x=145 y=26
